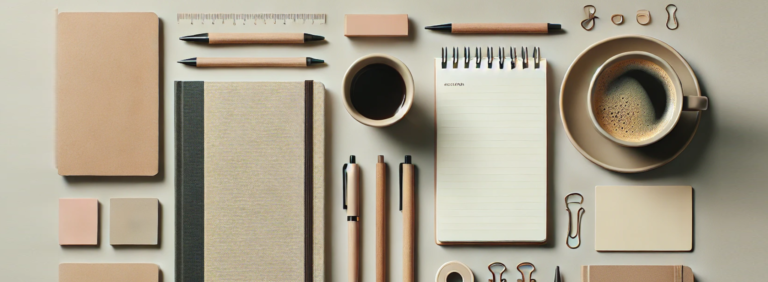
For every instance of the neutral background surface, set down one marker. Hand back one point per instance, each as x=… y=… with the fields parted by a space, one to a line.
x=724 y=42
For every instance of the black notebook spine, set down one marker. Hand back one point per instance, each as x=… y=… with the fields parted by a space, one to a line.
x=190 y=171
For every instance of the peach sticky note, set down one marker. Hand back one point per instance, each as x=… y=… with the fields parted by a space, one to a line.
x=133 y=221
x=78 y=222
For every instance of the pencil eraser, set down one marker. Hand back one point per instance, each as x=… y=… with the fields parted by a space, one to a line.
x=376 y=25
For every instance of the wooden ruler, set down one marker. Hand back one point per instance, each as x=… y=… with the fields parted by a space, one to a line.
x=253 y=19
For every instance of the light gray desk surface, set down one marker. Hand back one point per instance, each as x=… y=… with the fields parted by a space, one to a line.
x=723 y=41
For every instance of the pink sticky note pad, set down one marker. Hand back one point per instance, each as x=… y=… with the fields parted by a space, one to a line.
x=78 y=222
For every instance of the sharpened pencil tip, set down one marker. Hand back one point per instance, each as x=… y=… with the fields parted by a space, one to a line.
x=189 y=62
x=311 y=37
x=312 y=61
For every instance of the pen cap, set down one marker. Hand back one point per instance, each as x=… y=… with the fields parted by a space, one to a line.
x=344 y=181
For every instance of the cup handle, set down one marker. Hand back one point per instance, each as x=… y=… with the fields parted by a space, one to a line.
x=695 y=103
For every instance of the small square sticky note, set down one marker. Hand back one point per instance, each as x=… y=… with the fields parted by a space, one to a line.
x=133 y=221
x=78 y=222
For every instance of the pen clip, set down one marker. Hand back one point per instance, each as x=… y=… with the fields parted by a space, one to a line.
x=401 y=186
x=344 y=185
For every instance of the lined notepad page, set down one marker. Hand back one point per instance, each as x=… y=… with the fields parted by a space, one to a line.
x=491 y=167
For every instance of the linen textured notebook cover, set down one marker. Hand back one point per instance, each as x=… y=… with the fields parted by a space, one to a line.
x=107 y=94
x=250 y=181
x=491 y=153
x=643 y=218
x=636 y=273
x=112 y=272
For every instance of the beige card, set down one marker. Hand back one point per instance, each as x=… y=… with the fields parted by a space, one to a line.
x=107 y=94
x=112 y=272
x=643 y=218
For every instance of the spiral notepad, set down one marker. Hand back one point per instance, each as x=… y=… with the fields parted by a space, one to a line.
x=491 y=151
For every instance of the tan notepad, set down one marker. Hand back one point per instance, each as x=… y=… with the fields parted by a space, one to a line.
x=643 y=218
x=636 y=273
x=107 y=94
x=112 y=272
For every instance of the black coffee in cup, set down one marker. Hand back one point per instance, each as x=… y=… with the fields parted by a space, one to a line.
x=377 y=91
x=634 y=99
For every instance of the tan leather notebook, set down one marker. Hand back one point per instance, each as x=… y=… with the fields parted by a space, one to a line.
x=643 y=218
x=112 y=272
x=107 y=94
x=636 y=273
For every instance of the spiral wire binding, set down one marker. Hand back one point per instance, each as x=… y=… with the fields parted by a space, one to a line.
x=466 y=57
x=502 y=57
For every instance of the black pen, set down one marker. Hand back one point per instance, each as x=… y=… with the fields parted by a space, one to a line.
x=252 y=38
x=557 y=275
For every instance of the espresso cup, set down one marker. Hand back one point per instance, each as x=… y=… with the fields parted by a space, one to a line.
x=378 y=90
x=635 y=99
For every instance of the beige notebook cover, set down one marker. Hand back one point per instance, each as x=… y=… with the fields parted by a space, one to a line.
x=491 y=154
x=643 y=218
x=636 y=273
x=255 y=181
x=107 y=94
x=111 y=272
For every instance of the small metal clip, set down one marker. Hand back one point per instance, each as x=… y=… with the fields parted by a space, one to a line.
x=524 y=55
x=617 y=19
x=466 y=57
x=455 y=57
x=493 y=275
x=478 y=57
x=513 y=56
x=589 y=23
x=672 y=15
x=501 y=58
x=644 y=17
x=444 y=56
x=527 y=274
x=536 y=57
x=574 y=219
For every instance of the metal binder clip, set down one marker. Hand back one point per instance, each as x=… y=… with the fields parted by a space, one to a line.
x=493 y=275
x=512 y=56
x=444 y=56
x=526 y=268
x=524 y=55
x=536 y=57
x=490 y=57
x=466 y=57
x=455 y=57
x=478 y=57
x=501 y=58
x=574 y=219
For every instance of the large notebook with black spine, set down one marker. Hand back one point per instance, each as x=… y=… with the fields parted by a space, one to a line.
x=249 y=181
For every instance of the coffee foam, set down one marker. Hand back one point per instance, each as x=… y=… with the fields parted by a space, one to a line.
x=624 y=108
